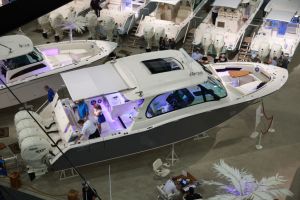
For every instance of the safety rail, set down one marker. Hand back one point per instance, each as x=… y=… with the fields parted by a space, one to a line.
x=130 y=24
x=137 y=29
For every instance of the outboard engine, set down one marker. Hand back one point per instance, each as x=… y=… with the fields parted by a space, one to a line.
x=206 y=42
x=34 y=151
x=92 y=23
x=148 y=35
x=199 y=33
x=159 y=32
x=45 y=25
x=218 y=44
x=109 y=26
x=276 y=51
x=33 y=142
x=263 y=51
x=56 y=20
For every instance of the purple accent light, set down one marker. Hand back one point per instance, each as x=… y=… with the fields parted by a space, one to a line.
x=51 y=52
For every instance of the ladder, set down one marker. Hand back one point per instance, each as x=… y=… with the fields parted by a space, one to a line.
x=244 y=51
x=188 y=44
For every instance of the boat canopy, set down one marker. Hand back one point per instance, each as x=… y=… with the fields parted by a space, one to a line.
x=227 y=3
x=93 y=81
x=280 y=15
x=172 y=2
x=138 y=76
x=287 y=5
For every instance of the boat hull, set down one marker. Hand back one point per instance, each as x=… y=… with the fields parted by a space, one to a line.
x=154 y=138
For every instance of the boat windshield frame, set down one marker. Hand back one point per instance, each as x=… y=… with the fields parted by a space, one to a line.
x=31 y=58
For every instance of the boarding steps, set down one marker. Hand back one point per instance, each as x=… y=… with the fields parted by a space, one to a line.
x=188 y=43
x=244 y=52
x=132 y=40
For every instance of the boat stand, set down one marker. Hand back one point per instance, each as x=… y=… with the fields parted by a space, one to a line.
x=172 y=156
x=67 y=173
x=260 y=112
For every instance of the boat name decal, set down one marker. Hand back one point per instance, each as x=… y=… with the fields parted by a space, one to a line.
x=196 y=73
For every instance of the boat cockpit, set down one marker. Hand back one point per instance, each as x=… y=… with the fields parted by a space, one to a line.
x=119 y=114
x=232 y=19
x=210 y=90
x=14 y=68
x=175 y=13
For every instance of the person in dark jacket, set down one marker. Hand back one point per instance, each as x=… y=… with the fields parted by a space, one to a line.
x=191 y=195
x=95 y=5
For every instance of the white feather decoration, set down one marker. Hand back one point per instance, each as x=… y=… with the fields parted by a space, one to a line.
x=243 y=186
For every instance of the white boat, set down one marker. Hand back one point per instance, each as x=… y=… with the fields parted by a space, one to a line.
x=280 y=31
x=170 y=18
x=55 y=19
x=149 y=100
x=232 y=20
x=26 y=75
x=123 y=12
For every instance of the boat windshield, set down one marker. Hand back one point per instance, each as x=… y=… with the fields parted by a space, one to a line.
x=27 y=59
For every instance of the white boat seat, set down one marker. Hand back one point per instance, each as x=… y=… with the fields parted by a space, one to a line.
x=74 y=51
x=249 y=87
x=160 y=168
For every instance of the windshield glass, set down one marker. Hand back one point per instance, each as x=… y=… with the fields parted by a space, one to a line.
x=27 y=59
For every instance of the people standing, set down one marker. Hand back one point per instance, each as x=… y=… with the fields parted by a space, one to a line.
x=214 y=14
x=223 y=58
x=50 y=93
x=89 y=130
x=88 y=193
x=191 y=195
x=83 y=109
x=172 y=43
x=99 y=114
x=95 y=5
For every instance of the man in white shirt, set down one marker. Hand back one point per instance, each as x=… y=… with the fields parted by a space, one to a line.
x=89 y=130
x=170 y=187
x=196 y=55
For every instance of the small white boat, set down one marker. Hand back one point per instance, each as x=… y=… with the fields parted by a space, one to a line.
x=26 y=75
x=280 y=31
x=149 y=100
x=231 y=21
x=123 y=12
x=170 y=18
x=55 y=19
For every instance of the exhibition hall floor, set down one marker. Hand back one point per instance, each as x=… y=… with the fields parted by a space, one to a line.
x=132 y=178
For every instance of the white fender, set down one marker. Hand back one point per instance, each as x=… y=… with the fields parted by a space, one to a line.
x=159 y=32
x=148 y=34
x=218 y=44
x=276 y=50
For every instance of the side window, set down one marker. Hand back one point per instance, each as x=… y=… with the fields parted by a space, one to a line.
x=211 y=90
